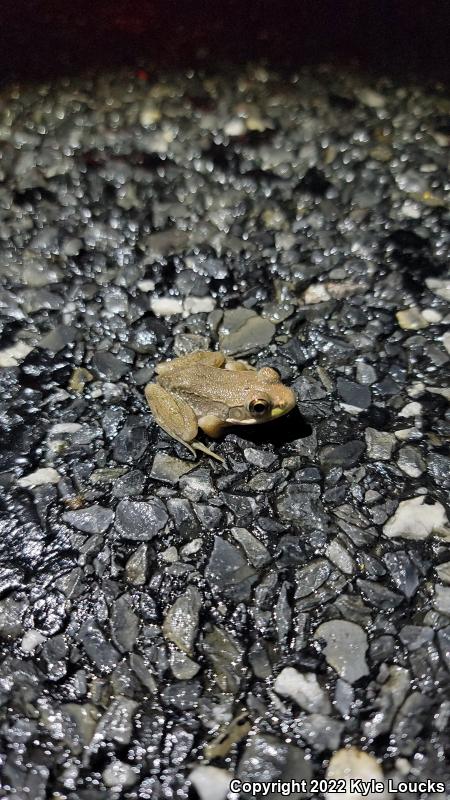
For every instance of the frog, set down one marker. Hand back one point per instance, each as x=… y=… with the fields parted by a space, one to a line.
x=209 y=391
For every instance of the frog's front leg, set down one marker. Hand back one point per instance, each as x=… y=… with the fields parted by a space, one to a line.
x=175 y=417
x=211 y=425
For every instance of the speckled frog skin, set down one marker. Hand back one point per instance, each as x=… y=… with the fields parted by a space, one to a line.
x=208 y=391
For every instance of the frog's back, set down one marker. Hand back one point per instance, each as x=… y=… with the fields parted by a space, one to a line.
x=210 y=384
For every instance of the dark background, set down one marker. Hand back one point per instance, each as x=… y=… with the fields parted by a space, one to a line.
x=42 y=38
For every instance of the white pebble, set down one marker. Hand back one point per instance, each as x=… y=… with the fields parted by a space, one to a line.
x=446 y=341
x=14 y=355
x=439 y=287
x=411 y=410
x=211 y=783
x=405 y=433
x=431 y=315
x=351 y=763
x=234 y=127
x=371 y=98
x=64 y=427
x=411 y=209
x=315 y=294
x=118 y=774
x=31 y=640
x=411 y=319
x=146 y=286
x=416 y=389
x=198 y=305
x=304 y=689
x=166 y=306
x=416 y=520
x=149 y=115
x=40 y=477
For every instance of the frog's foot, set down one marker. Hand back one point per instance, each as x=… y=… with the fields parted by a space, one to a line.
x=213 y=427
x=199 y=358
x=203 y=449
x=238 y=365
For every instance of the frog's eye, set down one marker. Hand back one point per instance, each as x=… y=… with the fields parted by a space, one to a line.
x=258 y=406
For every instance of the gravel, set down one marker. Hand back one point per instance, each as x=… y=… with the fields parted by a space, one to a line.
x=165 y=623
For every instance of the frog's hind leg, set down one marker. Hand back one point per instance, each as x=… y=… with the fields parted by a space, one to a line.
x=202 y=358
x=238 y=365
x=173 y=415
x=176 y=418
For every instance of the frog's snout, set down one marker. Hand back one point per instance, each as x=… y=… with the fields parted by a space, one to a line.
x=285 y=403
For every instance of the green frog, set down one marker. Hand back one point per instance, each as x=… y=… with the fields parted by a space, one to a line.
x=209 y=391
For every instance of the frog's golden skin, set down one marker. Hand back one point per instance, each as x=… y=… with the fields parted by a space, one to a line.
x=208 y=391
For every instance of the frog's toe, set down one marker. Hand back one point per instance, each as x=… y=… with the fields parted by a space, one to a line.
x=203 y=449
x=238 y=365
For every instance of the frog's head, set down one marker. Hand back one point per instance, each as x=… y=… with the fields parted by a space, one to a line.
x=265 y=401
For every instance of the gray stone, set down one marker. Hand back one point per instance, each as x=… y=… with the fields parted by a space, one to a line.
x=168 y=469
x=301 y=504
x=365 y=373
x=343 y=455
x=131 y=442
x=410 y=719
x=226 y=656
x=321 y=732
x=119 y=775
x=108 y=366
x=270 y=759
x=242 y=331
x=411 y=462
x=378 y=595
x=140 y=669
x=354 y=394
x=140 y=521
x=136 y=566
x=80 y=722
x=97 y=647
x=260 y=458
x=124 y=624
x=441 y=600
x=11 y=614
x=346 y=647
x=389 y=699
x=380 y=444
x=130 y=484
x=93 y=519
x=211 y=783
x=181 y=621
x=117 y=723
x=311 y=577
x=228 y=571
x=183 y=667
x=58 y=338
x=197 y=485
x=403 y=572
x=256 y=552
